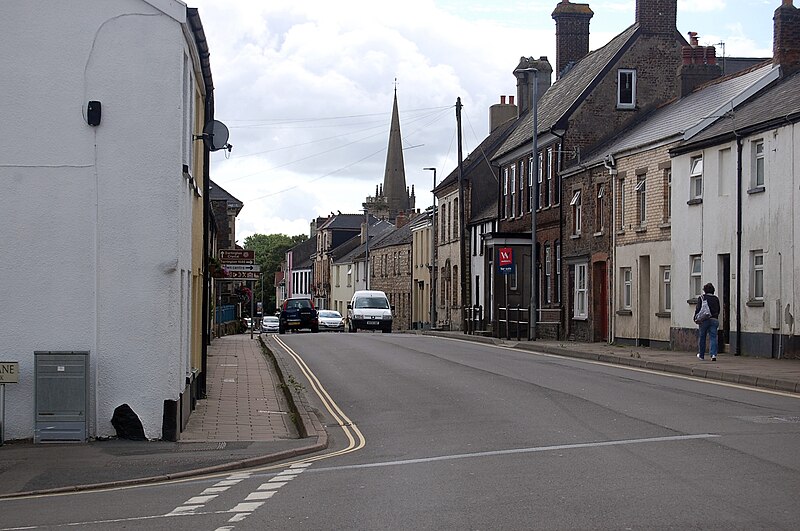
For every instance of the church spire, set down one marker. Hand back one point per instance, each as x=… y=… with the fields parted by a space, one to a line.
x=394 y=178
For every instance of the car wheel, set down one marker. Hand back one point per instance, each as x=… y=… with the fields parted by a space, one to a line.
x=315 y=329
x=281 y=330
x=387 y=330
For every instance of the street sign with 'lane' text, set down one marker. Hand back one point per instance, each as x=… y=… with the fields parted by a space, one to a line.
x=9 y=372
x=242 y=267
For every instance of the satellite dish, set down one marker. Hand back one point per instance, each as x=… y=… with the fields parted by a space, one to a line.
x=215 y=135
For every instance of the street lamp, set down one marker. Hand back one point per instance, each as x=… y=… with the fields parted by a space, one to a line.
x=433 y=252
x=534 y=197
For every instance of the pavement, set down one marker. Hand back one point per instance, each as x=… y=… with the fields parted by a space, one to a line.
x=250 y=417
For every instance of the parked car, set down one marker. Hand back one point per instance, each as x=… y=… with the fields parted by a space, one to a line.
x=331 y=320
x=270 y=324
x=298 y=313
x=369 y=310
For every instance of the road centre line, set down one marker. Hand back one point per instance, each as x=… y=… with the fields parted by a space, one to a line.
x=513 y=451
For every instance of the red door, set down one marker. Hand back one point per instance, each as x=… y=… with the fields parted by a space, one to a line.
x=600 y=301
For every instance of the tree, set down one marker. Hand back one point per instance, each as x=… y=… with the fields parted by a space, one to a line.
x=270 y=250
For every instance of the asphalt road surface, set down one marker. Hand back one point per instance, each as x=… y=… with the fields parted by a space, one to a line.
x=431 y=433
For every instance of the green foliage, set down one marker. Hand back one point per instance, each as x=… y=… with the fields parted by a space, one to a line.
x=270 y=251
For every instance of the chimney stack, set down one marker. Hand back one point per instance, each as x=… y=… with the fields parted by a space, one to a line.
x=786 y=38
x=500 y=113
x=572 y=34
x=657 y=17
x=699 y=65
x=525 y=80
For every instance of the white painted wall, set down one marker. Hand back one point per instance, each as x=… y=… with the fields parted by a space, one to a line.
x=770 y=222
x=98 y=233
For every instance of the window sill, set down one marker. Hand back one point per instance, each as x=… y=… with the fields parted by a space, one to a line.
x=624 y=312
x=598 y=234
x=755 y=303
x=692 y=301
x=665 y=225
x=665 y=315
x=695 y=201
x=575 y=236
x=640 y=230
x=580 y=318
x=756 y=190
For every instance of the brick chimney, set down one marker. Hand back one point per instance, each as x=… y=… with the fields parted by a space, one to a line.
x=699 y=65
x=572 y=34
x=525 y=80
x=657 y=17
x=500 y=113
x=401 y=220
x=786 y=38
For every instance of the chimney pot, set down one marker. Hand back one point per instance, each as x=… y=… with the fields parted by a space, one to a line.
x=502 y=100
x=511 y=100
x=693 y=39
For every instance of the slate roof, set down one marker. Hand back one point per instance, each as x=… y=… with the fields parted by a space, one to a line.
x=376 y=233
x=489 y=212
x=401 y=236
x=346 y=221
x=218 y=193
x=776 y=105
x=301 y=253
x=672 y=120
x=564 y=96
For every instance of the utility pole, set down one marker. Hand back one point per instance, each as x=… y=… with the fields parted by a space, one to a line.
x=461 y=221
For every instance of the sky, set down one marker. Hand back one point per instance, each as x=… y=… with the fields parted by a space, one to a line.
x=305 y=87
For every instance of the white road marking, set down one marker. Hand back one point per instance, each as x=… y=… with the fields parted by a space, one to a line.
x=214 y=490
x=199 y=500
x=271 y=485
x=263 y=495
x=183 y=509
x=227 y=482
x=246 y=507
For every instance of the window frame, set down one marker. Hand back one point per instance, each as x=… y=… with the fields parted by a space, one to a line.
x=757 y=275
x=696 y=177
x=577 y=213
x=695 y=277
x=599 y=221
x=581 y=292
x=665 y=293
x=625 y=72
x=759 y=163
x=641 y=199
x=548 y=271
x=626 y=281
x=667 y=195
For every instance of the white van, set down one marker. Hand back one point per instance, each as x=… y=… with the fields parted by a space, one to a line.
x=369 y=310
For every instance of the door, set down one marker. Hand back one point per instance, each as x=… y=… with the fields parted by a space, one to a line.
x=600 y=300
x=643 y=306
x=724 y=294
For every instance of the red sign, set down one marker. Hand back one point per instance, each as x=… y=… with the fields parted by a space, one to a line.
x=237 y=256
x=506 y=256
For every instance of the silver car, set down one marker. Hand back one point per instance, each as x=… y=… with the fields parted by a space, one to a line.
x=331 y=320
x=270 y=324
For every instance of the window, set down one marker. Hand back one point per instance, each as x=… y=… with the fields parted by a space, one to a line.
x=544 y=182
x=337 y=275
x=521 y=198
x=621 y=204
x=456 y=218
x=626 y=281
x=667 y=195
x=456 y=284
x=598 y=211
x=539 y=181
x=641 y=200
x=556 y=187
x=696 y=178
x=757 y=275
x=558 y=271
x=505 y=193
x=513 y=191
x=512 y=280
x=530 y=182
x=626 y=89
x=758 y=163
x=695 y=272
x=548 y=271
x=576 y=213
x=581 y=293
x=350 y=275
x=666 y=289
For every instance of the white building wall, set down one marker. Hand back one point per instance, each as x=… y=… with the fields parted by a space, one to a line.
x=100 y=232
x=770 y=223
x=646 y=287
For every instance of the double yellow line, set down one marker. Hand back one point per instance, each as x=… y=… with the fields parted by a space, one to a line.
x=355 y=438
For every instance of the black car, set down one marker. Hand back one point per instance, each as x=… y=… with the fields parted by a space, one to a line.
x=298 y=313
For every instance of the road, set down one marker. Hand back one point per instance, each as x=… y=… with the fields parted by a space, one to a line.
x=431 y=433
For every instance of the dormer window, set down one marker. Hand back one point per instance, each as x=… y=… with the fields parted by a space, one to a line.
x=626 y=89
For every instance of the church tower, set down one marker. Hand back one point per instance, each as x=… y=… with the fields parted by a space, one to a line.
x=393 y=197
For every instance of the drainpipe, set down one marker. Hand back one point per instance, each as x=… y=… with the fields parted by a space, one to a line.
x=611 y=166
x=738 y=246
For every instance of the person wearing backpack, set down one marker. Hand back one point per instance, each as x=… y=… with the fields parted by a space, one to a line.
x=706 y=315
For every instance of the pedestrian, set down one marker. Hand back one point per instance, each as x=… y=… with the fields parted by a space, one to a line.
x=708 y=323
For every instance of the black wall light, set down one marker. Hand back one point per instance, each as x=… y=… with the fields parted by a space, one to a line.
x=93 y=112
